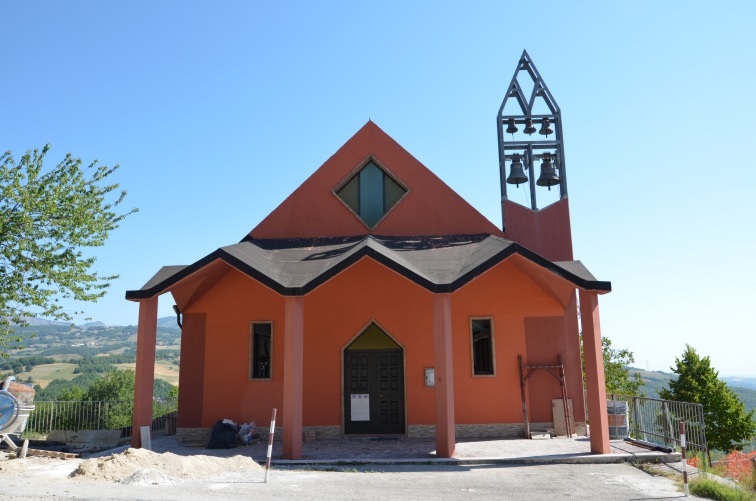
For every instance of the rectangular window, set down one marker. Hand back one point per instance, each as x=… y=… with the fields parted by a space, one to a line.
x=261 y=355
x=482 y=346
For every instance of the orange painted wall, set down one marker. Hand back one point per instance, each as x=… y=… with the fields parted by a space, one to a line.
x=368 y=291
x=544 y=339
x=231 y=304
x=338 y=310
x=334 y=314
x=430 y=208
x=508 y=295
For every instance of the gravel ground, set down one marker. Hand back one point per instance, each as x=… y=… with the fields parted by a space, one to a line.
x=154 y=476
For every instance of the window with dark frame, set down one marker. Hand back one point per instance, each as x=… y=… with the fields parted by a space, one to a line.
x=261 y=350
x=482 y=346
x=371 y=193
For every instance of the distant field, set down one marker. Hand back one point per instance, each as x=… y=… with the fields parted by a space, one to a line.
x=43 y=374
x=66 y=356
x=164 y=370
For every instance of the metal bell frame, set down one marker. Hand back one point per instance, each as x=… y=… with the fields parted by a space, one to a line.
x=528 y=161
x=533 y=148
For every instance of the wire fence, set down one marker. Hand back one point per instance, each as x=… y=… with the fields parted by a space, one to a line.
x=49 y=416
x=655 y=422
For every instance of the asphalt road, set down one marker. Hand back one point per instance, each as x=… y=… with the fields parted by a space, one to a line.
x=537 y=482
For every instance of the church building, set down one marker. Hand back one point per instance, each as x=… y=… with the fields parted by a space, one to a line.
x=375 y=301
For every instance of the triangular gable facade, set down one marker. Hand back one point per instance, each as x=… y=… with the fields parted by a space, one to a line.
x=428 y=207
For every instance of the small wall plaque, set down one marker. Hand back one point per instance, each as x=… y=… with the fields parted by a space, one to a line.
x=430 y=376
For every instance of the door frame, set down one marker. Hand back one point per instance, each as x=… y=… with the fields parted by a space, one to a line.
x=343 y=379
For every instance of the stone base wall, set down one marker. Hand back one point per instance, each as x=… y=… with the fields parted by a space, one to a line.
x=421 y=431
x=199 y=437
x=492 y=430
x=322 y=433
x=193 y=437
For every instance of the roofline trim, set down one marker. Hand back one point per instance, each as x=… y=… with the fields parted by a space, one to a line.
x=513 y=248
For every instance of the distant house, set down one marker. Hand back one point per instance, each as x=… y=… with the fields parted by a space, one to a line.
x=376 y=301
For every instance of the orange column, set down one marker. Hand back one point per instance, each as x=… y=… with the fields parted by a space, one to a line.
x=145 y=368
x=594 y=372
x=293 y=376
x=444 y=373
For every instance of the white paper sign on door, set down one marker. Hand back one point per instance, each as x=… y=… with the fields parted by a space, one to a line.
x=360 y=407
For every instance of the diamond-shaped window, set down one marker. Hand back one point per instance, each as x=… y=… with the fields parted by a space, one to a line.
x=371 y=193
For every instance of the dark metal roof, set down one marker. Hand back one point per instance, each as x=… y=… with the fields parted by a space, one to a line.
x=437 y=263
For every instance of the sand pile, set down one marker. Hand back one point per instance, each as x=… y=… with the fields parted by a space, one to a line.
x=143 y=467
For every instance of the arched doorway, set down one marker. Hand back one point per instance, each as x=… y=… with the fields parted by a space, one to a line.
x=373 y=384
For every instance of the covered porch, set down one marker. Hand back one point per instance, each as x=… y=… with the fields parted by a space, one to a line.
x=441 y=270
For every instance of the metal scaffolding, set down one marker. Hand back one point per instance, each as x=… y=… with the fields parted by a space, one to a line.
x=526 y=371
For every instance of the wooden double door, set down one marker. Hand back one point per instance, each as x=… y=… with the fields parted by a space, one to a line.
x=374 y=392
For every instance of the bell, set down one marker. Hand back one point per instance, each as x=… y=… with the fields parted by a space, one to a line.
x=511 y=127
x=529 y=129
x=545 y=128
x=516 y=174
x=548 y=175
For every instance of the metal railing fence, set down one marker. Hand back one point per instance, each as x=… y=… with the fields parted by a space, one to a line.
x=95 y=415
x=655 y=421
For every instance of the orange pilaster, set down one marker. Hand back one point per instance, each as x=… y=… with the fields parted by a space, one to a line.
x=594 y=373
x=145 y=368
x=293 y=376
x=444 y=373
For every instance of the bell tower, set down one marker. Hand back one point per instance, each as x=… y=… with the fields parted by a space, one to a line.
x=535 y=211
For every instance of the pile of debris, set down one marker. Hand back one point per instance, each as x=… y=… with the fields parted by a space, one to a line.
x=144 y=467
x=226 y=434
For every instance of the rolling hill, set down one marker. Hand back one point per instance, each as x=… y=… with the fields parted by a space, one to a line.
x=53 y=351
x=744 y=388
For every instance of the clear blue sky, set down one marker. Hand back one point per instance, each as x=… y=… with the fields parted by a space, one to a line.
x=216 y=111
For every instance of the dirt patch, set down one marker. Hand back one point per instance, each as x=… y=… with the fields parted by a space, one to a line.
x=21 y=466
x=143 y=467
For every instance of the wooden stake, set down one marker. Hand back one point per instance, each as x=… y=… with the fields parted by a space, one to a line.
x=270 y=444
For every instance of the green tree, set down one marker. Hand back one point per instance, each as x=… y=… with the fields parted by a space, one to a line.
x=114 y=386
x=47 y=219
x=71 y=394
x=63 y=389
x=117 y=388
x=727 y=423
x=617 y=377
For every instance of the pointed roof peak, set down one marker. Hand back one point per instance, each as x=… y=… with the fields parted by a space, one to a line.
x=427 y=206
x=539 y=88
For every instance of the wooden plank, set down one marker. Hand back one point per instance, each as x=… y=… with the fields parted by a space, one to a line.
x=51 y=454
